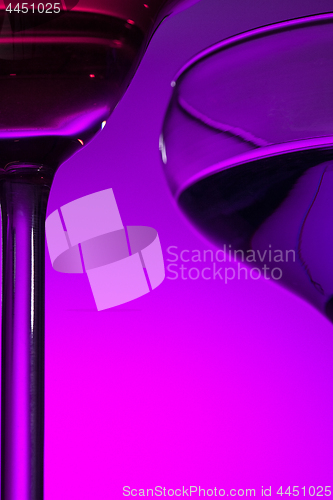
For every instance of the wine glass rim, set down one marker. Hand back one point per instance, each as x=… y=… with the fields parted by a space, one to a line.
x=251 y=34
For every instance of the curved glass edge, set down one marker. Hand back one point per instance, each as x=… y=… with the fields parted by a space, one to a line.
x=252 y=34
x=258 y=154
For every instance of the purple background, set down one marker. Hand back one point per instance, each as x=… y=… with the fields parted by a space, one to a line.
x=198 y=382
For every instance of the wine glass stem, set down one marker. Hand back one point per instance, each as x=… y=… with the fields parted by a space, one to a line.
x=23 y=207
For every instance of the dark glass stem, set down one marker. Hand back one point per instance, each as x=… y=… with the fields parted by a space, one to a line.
x=24 y=194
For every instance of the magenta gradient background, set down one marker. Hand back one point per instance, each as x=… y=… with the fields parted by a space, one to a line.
x=198 y=382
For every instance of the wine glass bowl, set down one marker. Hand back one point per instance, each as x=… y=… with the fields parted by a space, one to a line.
x=63 y=72
x=60 y=83
x=247 y=146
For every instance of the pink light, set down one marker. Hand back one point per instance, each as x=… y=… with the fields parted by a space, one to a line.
x=92 y=76
x=129 y=21
x=146 y=6
x=81 y=142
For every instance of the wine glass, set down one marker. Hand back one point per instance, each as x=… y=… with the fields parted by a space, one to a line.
x=64 y=67
x=247 y=147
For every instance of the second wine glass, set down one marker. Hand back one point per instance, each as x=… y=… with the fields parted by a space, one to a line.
x=247 y=146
